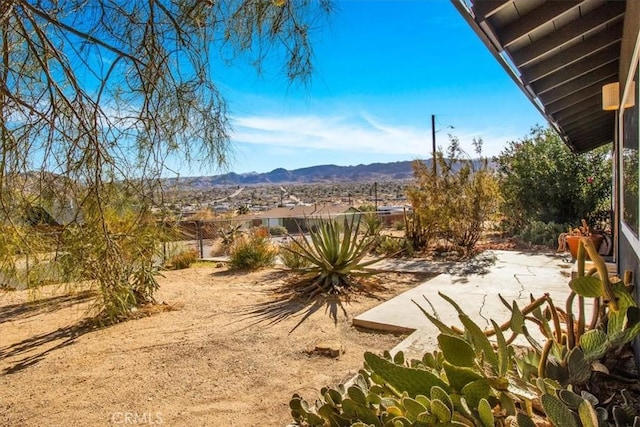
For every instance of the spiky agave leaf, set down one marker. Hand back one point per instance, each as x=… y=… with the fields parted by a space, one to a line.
x=336 y=253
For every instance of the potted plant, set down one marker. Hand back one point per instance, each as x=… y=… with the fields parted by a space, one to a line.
x=569 y=240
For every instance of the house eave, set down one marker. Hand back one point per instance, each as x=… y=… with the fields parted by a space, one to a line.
x=559 y=54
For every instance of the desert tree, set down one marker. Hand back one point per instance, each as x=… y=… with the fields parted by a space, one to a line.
x=98 y=98
x=456 y=201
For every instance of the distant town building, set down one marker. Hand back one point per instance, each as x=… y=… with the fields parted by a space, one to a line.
x=299 y=217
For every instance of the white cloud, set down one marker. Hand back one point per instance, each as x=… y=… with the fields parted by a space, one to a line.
x=361 y=133
x=341 y=133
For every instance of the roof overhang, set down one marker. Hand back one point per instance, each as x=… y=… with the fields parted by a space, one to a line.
x=560 y=54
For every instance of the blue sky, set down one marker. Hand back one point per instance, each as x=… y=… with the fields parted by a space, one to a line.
x=381 y=69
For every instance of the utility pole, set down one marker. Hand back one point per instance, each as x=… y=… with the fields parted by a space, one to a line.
x=433 y=139
x=375 y=194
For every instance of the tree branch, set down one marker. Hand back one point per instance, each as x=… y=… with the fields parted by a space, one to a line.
x=81 y=34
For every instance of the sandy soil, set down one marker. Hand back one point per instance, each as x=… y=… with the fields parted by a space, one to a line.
x=206 y=363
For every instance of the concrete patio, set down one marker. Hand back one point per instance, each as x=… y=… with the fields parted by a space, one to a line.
x=475 y=286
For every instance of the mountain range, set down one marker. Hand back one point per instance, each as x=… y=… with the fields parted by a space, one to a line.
x=313 y=174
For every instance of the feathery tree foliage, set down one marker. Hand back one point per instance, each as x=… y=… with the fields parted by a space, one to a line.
x=97 y=96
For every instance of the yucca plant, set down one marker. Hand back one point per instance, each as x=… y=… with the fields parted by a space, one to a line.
x=336 y=252
x=229 y=235
x=372 y=222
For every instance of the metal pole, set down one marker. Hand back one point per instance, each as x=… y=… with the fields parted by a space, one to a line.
x=375 y=194
x=200 y=239
x=433 y=140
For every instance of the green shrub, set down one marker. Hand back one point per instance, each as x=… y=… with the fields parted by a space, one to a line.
x=418 y=231
x=291 y=256
x=372 y=222
x=277 y=230
x=24 y=259
x=182 y=259
x=393 y=246
x=542 y=180
x=541 y=233
x=118 y=252
x=455 y=201
x=368 y=207
x=252 y=252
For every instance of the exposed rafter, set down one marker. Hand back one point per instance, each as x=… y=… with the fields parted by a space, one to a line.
x=489 y=7
x=577 y=29
x=533 y=20
x=602 y=41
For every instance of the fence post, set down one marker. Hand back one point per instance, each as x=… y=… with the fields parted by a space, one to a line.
x=201 y=244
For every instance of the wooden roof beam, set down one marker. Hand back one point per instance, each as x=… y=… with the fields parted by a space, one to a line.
x=591 y=140
x=583 y=128
x=585 y=125
x=609 y=12
x=578 y=110
x=574 y=98
x=592 y=113
x=592 y=78
x=534 y=19
x=482 y=9
x=594 y=43
x=577 y=69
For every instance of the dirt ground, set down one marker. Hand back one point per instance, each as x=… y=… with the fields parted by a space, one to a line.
x=204 y=363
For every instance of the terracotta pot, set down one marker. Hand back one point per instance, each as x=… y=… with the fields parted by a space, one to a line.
x=572 y=243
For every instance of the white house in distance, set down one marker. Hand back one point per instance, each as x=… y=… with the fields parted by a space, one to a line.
x=578 y=63
x=299 y=217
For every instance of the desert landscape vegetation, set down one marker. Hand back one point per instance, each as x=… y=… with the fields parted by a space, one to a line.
x=265 y=323
x=112 y=313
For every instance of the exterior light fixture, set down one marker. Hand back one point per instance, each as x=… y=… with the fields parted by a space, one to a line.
x=611 y=96
x=611 y=102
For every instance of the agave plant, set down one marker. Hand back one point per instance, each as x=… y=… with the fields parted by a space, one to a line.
x=335 y=253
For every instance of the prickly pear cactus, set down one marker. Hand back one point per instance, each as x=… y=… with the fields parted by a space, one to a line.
x=625 y=414
x=474 y=379
x=558 y=412
x=402 y=378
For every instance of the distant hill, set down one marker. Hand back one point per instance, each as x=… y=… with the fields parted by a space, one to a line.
x=313 y=174
x=310 y=175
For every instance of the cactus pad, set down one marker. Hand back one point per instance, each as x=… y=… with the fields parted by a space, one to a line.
x=412 y=380
x=558 y=413
x=456 y=350
x=587 y=286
